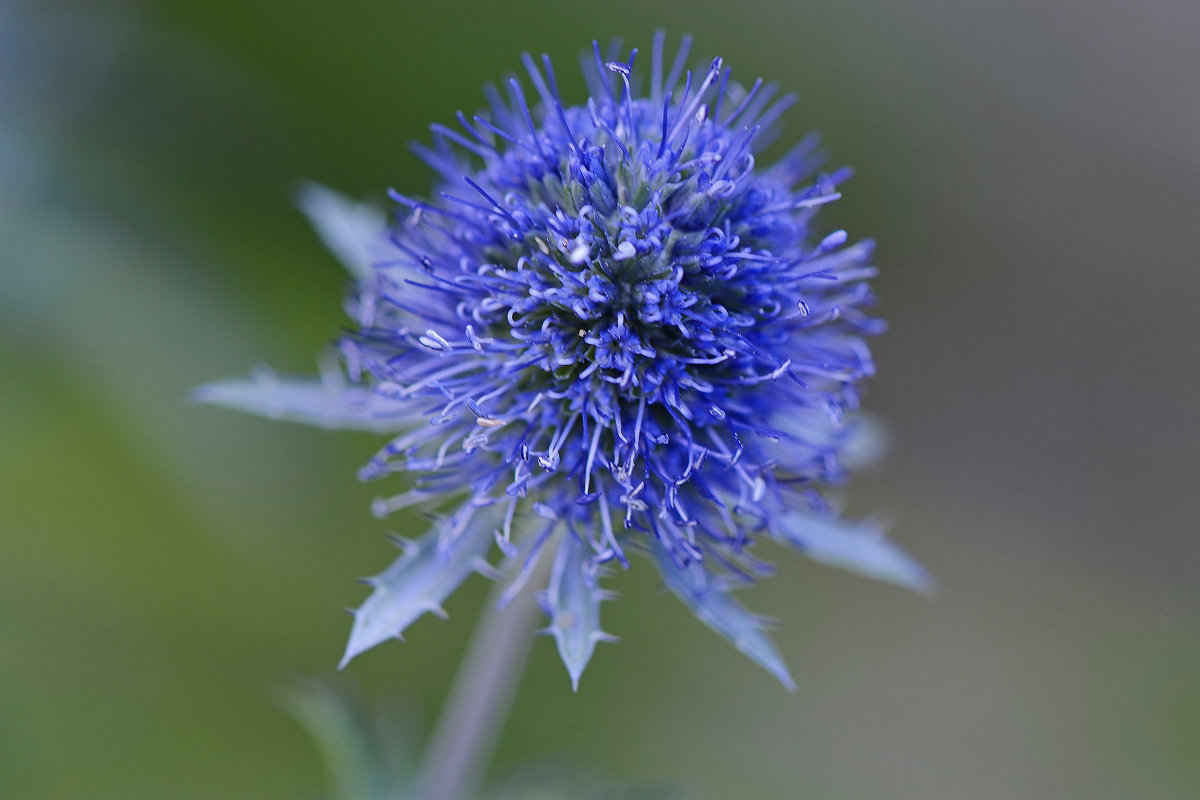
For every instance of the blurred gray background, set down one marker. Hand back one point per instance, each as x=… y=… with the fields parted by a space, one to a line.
x=1031 y=171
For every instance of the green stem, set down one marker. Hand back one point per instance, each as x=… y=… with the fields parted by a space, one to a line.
x=474 y=713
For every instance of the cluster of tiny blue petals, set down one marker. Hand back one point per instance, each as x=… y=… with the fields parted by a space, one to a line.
x=610 y=331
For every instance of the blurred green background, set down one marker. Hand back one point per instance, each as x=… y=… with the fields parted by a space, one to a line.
x=1031 y=172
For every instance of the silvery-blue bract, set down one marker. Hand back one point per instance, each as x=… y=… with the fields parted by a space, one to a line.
x=609 y=332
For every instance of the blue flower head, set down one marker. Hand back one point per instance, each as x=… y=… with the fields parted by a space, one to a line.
x=609 y=332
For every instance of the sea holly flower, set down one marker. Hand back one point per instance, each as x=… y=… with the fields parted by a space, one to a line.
x=609 y=332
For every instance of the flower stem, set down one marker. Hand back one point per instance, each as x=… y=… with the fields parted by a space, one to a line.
x=481 y=697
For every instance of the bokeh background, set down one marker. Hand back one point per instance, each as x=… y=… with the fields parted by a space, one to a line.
x=1031 y=170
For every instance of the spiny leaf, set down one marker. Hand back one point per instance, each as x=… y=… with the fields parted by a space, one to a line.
x=418 y=582
x=858 y=547
x=572 y=602
x=321 y=402
x=713 y=605
x=354 y=232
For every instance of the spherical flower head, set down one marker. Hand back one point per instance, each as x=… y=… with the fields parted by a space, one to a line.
x=609 y=332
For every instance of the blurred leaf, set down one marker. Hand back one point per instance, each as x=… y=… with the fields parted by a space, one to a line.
x=371 y=755
x=366 y=756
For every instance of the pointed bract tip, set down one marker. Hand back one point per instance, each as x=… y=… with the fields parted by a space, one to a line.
x=857 y=547
x=352 y=231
